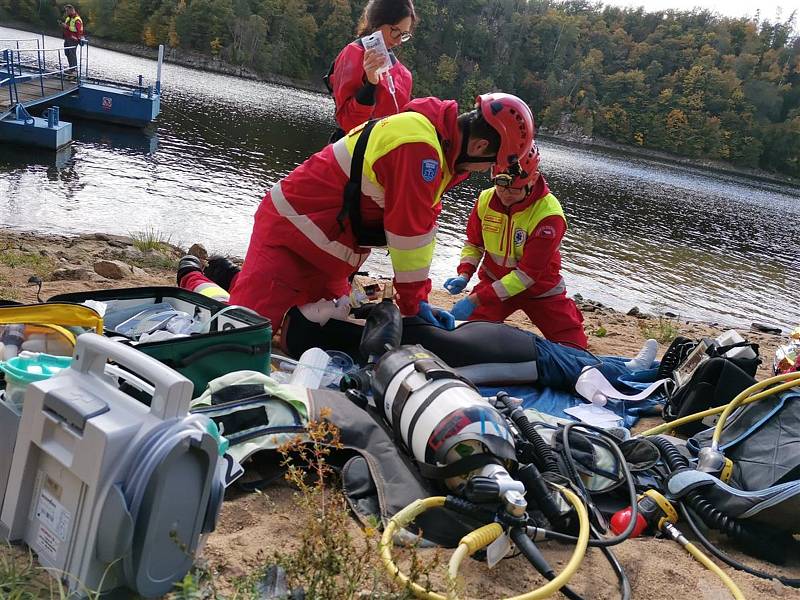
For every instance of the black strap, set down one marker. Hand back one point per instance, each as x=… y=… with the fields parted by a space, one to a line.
x=464 y=465
x=423 y=407
x=351 y=198
x=177 y=363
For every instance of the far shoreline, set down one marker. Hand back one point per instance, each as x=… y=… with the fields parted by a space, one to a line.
x=203 y=62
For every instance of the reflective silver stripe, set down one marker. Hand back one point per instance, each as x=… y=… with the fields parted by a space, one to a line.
x=411 y=276
x=345 y=161
x=410 y=242
x=310 y=229
x=343 y=157
x=557 y=289
x=500 y=290
x=470 y=260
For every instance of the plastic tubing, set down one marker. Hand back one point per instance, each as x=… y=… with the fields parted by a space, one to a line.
x=152 y=452
x=473 y=542
x=666 y=427
x=712 y=566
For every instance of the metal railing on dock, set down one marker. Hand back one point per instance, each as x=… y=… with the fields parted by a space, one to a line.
x=30 y=76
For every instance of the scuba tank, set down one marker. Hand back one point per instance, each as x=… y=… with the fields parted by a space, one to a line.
x=440 y=418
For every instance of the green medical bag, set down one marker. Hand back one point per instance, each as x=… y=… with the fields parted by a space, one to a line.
x=238 y=339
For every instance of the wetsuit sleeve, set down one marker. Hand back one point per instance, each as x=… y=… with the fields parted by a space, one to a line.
x=354 y=95
x=472 y=252
x=410 y=175
x=539 y=249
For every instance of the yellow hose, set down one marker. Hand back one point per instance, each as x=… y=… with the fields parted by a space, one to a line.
x=400 y=520
x=793 y=377
x=474 y=541
x=712 y=566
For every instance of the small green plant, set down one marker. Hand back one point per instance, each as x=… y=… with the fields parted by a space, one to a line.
x=151 y=239
x=600 y=331
x=16 y=259
x=330 y=561
x=664 y=330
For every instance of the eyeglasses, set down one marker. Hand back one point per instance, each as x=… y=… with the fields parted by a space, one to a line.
x=398 y=33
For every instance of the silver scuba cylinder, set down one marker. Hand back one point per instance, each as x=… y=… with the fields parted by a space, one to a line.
x=441 y=419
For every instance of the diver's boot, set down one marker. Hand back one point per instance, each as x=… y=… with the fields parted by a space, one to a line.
x=186 y=265
x=645 y=357
x=221 y=270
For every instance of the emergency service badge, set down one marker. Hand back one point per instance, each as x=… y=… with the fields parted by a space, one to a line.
x=519 y=237
x=429 y=169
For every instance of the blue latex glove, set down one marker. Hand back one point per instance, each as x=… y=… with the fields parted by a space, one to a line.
x=456 y=285
x=436 y=316
x=463 y=309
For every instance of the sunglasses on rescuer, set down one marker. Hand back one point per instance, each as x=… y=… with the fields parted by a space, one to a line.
x=398 y=33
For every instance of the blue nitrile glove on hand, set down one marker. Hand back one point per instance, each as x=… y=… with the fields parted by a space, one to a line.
x=456 y=285
x=463 y=309
x=436 y=316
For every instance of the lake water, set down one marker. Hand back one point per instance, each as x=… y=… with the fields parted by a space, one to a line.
x=704 y=246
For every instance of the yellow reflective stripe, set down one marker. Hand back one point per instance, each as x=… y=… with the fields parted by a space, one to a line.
x=212 y=290
x=471 y=254
x=310 y=229
x=512 y=284
x=414 y=264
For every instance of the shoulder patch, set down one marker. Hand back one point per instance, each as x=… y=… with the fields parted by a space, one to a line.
x=430 y=168
x=545 y=231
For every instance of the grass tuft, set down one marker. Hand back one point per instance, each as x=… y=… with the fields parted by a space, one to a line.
x=664 y=330
x=151 y=239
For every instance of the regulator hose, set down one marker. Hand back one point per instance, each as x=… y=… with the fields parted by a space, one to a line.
x=473 y=542
x=531 y=552
x=545 y=457
x=687 y=516
x=758 y=537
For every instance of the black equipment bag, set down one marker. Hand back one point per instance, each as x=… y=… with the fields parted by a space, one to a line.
x=714 y=383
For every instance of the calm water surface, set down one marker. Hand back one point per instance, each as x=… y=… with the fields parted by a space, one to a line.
x=704 y=246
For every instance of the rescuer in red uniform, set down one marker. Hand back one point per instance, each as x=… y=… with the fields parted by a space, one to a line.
x=514 y=233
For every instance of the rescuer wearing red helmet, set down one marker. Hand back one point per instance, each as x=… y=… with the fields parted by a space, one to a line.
x=514 y=233
x=315 y=227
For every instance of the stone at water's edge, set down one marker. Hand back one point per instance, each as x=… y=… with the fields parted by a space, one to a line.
x=765 y=328
x=72 y=274
x=199 y=251
x=116 y=269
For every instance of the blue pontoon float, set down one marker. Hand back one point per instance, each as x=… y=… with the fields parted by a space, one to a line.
x=32 y=75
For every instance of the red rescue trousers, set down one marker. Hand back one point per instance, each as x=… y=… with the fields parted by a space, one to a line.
x=557 y=317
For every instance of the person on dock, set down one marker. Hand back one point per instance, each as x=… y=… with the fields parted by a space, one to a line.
x=514 y=233
x=359 y=90
x=379 y=186
x=72 y=32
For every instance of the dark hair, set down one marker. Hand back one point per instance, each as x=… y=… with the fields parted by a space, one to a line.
x=384 y=12
x=474 y=125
